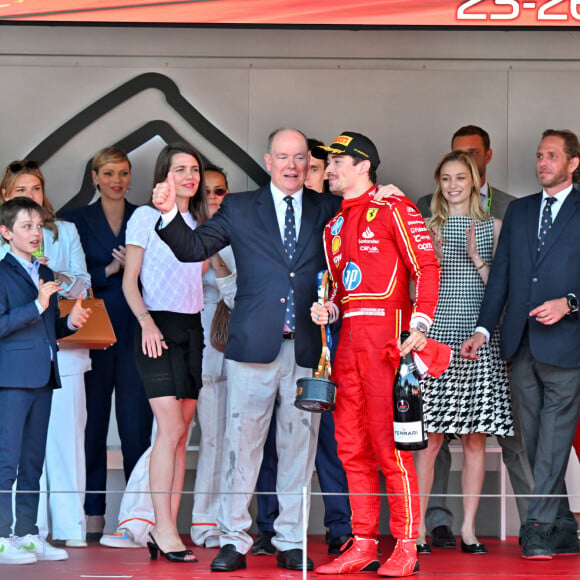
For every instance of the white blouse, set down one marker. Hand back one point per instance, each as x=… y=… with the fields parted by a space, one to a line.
x=167 y=283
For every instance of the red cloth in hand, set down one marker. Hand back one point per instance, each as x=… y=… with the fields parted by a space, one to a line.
x=435 y=356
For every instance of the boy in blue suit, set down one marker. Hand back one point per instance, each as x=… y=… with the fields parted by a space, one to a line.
x=29 y=326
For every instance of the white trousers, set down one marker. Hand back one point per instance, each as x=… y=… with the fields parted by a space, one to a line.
x=64 y=466
x=136 y=509
x=211 y=414
x=254 y=392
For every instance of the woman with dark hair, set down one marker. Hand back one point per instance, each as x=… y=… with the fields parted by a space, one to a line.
x=64 y=467
x=471 y=398
x=101 y=227
x=166 y=297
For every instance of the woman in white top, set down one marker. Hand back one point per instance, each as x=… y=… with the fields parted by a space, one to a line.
x=65 y=449
x=169 y=338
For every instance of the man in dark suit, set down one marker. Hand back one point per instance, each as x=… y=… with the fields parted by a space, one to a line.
x=331 y=475
x=475 y=141
x=276 y=236
x=535 y=276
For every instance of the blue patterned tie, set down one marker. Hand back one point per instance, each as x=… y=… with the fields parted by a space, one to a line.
x=545 y=224
x=289 y=248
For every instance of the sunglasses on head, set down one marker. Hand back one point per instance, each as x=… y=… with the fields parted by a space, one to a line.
x=20 y=165
x=221 y=191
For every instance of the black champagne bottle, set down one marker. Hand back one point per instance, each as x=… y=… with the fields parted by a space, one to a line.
x=408 y=423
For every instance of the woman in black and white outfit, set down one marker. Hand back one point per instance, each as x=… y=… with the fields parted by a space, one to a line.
x=169 y=338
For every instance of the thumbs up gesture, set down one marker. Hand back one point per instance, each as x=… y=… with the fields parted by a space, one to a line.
x=79 y=315
x=164 y=194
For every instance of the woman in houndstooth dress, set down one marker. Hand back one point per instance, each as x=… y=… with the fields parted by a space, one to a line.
x=471 y=399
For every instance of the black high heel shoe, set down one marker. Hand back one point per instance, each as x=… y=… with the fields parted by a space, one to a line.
x=155 y=550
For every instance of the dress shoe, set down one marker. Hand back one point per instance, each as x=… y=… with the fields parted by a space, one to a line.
x=473 y=548
x=402 y=562
x=564 y=542
x=535 y=541
x=442 y=537
x=336 y=546
x=263 y=545
x=424 y=548
x=360 y=556
x=292 y=560
x=228 y=560
x=176 y=556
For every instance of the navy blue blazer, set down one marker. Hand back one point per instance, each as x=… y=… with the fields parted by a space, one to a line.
x=247 y=221
x=98 y=241
x=25 y=335
x=520 y=281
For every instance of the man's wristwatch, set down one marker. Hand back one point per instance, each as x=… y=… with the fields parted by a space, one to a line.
x=572 y=303
x=421 y=326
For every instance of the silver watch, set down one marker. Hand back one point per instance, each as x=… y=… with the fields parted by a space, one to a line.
x=421 y=327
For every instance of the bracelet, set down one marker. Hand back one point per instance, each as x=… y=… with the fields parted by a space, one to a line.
x=143 y=315
x=483 y=263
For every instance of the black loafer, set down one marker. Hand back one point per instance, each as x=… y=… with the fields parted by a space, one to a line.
x=442 y=537
x=292 y=560
x=228 y=560
x=424 y=548
x=473 y=548
x=335 y=545
x=263 y=545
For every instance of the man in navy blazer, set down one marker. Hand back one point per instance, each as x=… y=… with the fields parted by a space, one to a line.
x=535 y=276
x=266 y=351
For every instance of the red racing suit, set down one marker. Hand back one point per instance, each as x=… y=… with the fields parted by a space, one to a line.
x=373 y=249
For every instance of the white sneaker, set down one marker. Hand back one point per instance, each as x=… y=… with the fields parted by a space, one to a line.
x=11 y=554
x=38 y=546
x=122 y=538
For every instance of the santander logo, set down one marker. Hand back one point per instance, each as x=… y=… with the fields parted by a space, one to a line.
x=368 y=234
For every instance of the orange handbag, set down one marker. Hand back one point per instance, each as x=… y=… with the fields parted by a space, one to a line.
x=97 y=333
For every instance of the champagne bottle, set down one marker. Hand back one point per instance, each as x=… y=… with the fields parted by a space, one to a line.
x=409 y=428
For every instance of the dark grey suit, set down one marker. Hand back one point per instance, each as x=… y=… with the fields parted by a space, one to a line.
x=545 y=358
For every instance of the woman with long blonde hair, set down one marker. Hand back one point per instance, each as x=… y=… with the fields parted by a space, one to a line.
x=471 y=399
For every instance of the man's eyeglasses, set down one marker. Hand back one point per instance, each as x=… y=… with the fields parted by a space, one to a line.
x=220 y=191
x=20 y=165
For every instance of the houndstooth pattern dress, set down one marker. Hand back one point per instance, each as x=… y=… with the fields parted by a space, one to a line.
x=470 y=396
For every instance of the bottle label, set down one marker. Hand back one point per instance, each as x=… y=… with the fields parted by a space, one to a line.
x=408 y=432
x=402 y=405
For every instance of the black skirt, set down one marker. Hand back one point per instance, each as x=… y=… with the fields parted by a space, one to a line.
x=177 y=372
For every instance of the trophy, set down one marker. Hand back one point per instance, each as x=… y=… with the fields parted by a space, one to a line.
x=316 y=394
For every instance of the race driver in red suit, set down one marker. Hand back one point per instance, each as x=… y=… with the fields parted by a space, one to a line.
x=373 y=250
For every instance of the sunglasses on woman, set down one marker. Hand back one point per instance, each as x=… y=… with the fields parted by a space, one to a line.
x=20 y=165
x=220 y=191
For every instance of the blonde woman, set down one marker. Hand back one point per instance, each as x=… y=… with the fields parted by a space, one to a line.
x=471 y=399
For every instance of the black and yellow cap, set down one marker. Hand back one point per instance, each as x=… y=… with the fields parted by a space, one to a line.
x=349 y=143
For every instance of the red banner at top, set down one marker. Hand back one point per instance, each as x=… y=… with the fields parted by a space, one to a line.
x=493 y=13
